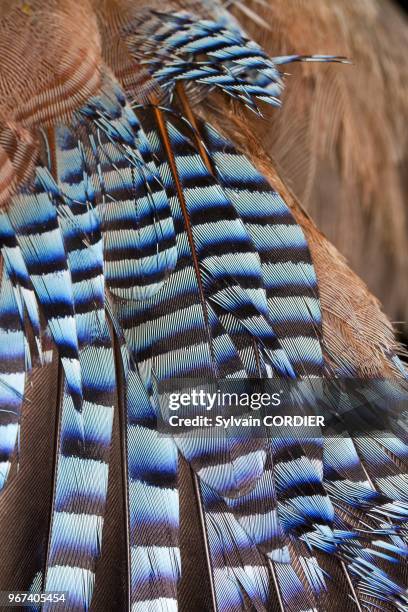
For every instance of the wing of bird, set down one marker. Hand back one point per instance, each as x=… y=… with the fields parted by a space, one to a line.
x=147 y=241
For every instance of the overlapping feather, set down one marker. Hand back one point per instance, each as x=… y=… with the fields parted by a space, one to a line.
x=147 y=229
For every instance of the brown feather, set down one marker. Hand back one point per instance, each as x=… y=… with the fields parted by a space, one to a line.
x=341 y=138
x=24 y=504
x=18 y=150
x=49 y=67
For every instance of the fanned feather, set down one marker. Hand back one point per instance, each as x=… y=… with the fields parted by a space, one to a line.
x=140 y=247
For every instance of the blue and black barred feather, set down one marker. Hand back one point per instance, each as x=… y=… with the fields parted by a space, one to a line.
x=147 y=249
x=139 y=238
x=210 y=55
x=12 y=376
x=82 y=470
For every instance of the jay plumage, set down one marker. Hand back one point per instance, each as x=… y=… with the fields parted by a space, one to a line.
x=146 y=237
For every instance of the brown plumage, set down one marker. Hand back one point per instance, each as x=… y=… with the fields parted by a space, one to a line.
x=55 y=57
x=48 y=68
x=340 y=139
